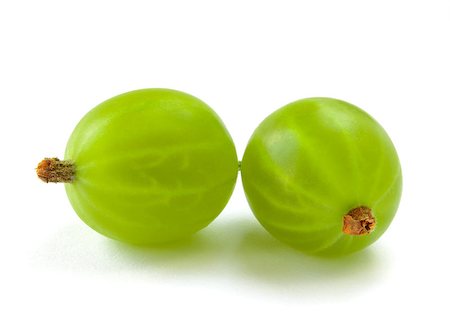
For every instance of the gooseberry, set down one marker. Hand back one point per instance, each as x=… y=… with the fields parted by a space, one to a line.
x=323 y=176
x=147 y=166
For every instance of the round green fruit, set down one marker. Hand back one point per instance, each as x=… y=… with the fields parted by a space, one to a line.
x=323 y=176
x=147 y=166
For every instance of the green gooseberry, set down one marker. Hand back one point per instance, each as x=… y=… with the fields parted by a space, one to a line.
x=323 y=176
x=147 y=166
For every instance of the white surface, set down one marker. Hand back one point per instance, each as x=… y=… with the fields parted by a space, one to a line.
x=58 y=59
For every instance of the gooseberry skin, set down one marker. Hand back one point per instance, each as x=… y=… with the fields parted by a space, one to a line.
x=151 y=166
x=312 y=161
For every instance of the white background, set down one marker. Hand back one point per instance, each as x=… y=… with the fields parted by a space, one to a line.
x=245 y=59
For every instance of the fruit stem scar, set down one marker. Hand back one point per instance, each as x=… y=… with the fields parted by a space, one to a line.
x=358 y=221
x=56 y=170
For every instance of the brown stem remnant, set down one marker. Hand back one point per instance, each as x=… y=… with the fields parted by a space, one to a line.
x=56 y=170
x=358 y=221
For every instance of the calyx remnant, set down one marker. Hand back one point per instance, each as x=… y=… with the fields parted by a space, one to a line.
x=359 y=221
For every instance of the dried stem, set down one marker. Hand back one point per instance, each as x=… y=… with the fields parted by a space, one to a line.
x=55 y=170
